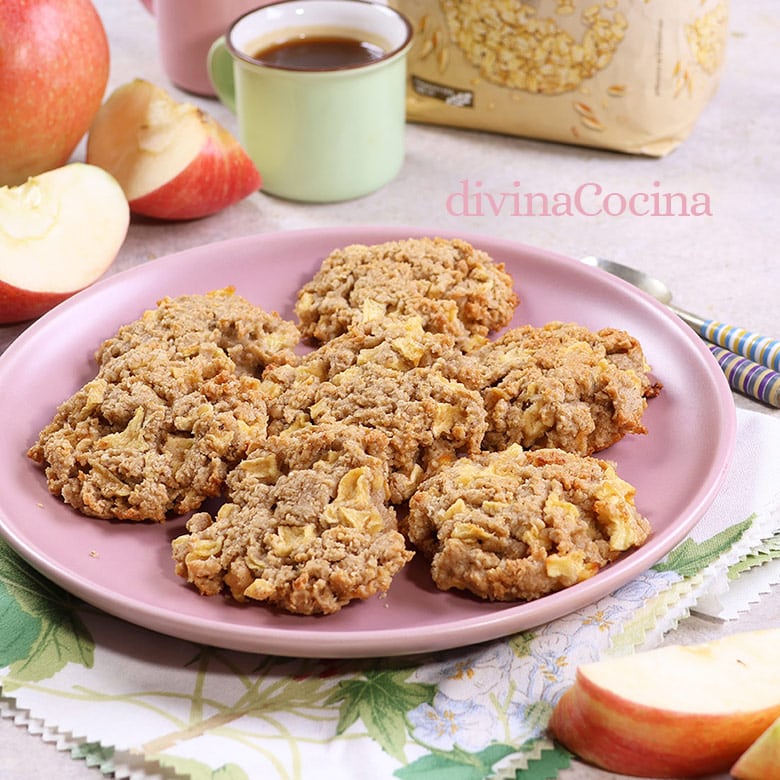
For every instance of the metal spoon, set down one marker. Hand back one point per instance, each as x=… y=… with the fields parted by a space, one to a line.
x=749 y=361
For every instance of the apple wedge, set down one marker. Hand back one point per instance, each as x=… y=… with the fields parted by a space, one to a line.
x=59 y=231
x=762 y=759
x=172 y=160
x=677 y=711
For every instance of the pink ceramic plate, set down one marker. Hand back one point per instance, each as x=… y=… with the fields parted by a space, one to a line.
x=126 y=568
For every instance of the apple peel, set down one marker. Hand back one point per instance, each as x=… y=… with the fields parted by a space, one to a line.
x=54 y=68
x=59 y=232
x=677 y=711
x=762 y=759
x=172 y=159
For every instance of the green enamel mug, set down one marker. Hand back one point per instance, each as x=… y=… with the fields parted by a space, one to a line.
x=317 y=131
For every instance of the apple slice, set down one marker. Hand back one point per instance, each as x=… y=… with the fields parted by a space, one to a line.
x=172 y=160
x=762 y=759
x=59 y=231
x=677 y=711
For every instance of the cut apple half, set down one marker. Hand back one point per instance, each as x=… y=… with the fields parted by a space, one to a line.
x=59 y=232
x=172 y=160
x=677 y=711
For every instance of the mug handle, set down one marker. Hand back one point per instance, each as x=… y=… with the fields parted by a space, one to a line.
x=220 y=68
x=149 y=5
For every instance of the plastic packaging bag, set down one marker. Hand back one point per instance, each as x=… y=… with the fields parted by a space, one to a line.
x=627 y=75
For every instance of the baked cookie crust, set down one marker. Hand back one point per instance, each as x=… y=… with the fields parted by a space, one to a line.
x=308 y=527
x=250 y=336
x=397 y=343
x=560 y=385
x=169 y=412
x=517 y=525
x=392 y=376
x=452 y=286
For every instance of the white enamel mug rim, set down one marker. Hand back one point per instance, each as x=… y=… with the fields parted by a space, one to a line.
x=359 y=17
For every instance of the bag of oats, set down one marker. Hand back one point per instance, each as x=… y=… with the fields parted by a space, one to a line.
x=627 y=75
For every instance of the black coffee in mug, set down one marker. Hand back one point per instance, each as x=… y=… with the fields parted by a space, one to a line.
x=319 y=52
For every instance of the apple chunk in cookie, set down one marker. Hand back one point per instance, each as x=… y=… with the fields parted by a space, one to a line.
x=308 y=527
x=515 y=525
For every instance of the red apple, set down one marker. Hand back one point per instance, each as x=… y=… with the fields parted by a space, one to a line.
x=172 y=160
x=54 y=62
x=58 y=233
x=678 y=711
x=762 y=759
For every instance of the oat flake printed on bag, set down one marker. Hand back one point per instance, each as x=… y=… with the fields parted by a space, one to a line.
x=627 y=75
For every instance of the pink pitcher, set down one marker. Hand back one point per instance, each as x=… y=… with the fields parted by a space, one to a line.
x=185 y=31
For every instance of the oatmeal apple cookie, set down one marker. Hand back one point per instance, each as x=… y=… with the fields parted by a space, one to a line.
x=308 y=527
x=250 y=336
x=428 y=418
x=151 y=434
x=397 y=343
x=454 y=287
x=517 y=525
x=560 y=385
x=389 y=375
x=173 y=407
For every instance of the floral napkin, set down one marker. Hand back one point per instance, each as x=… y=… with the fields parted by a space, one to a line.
x=144 y=705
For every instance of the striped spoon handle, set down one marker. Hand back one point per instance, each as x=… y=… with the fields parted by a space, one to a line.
x=760 y=349
x=749 y=378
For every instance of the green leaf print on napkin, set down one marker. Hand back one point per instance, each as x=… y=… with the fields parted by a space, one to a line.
x=522 y=643
x=17 y=642
x=768 y=550
x=456 y=764
x=691 y=557
x=42 y=629
x=547 y=766
x=196 y=770
x=381 y=699
x=95 y=755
